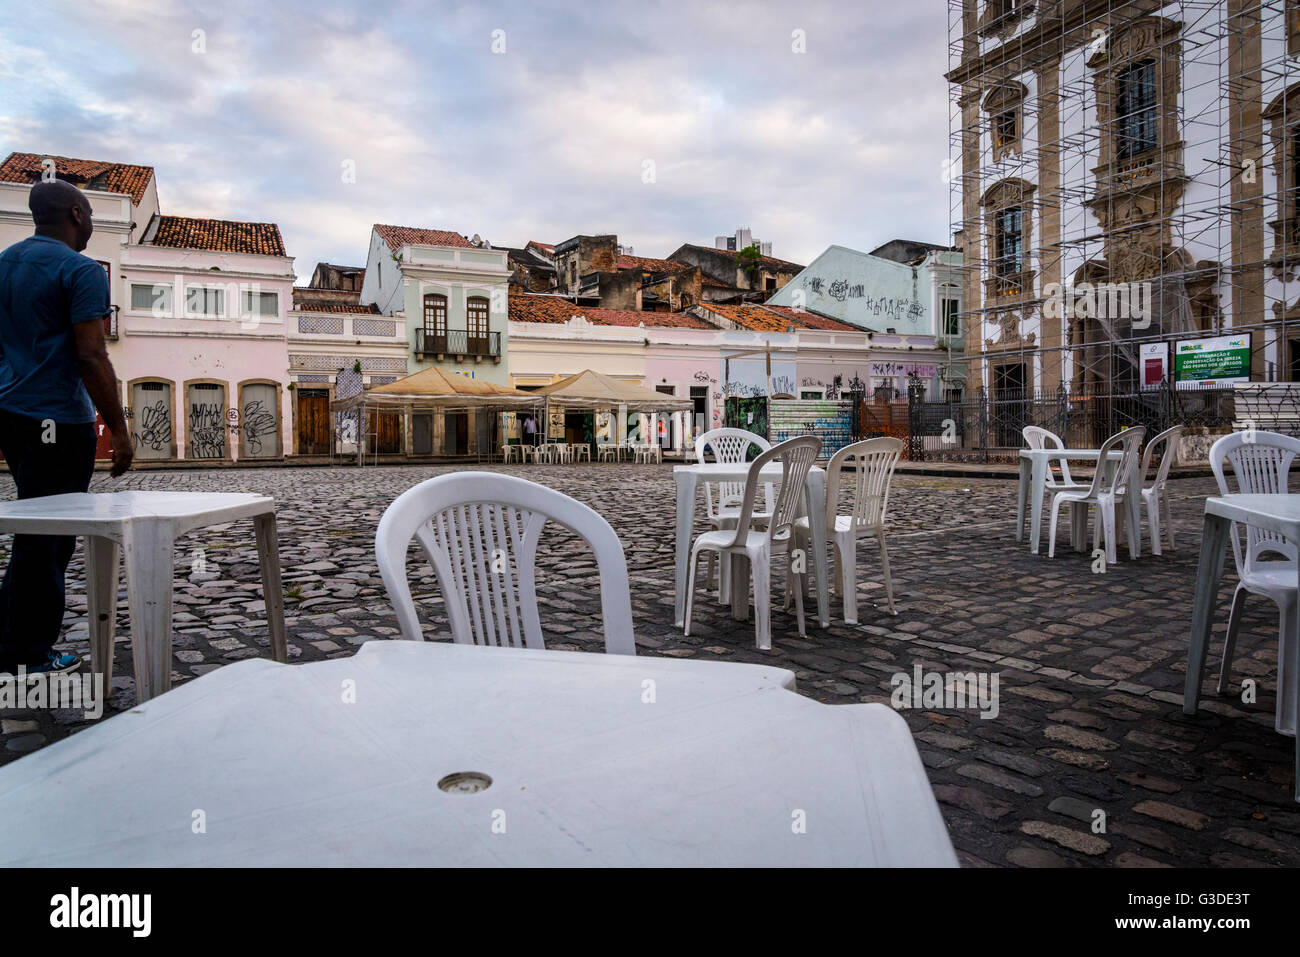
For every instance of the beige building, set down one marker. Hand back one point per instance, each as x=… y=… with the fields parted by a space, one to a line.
x=1124 y=179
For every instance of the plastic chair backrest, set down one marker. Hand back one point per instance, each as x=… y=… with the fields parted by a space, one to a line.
x=874 y=460
x=1131 y=441
x=480 y=531
x=730 y=446
x=1261 y=464
x=797 y=457
x=1037 y=437
x=1171 y=438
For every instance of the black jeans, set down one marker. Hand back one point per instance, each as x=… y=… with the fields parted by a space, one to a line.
x=42 y=461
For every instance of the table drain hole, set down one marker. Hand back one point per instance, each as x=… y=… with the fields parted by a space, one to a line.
x=465 y=782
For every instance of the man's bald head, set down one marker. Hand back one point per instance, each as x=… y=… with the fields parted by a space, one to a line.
x=61 y=211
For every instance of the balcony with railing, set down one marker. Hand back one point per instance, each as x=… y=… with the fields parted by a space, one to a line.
x=458 y=344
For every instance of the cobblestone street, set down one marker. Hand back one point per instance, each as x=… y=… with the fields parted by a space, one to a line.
x=1091 y=666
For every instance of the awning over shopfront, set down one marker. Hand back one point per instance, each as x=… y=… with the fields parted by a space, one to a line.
x=593 y=390
x=437 y=389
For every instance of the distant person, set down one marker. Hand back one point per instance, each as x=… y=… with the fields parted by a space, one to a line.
x=530 y=430
x=53 y=366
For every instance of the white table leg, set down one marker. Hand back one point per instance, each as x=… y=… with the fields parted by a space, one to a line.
x=1022 y=495
x=147 y=547
x=1214 y=538
x=685 y=520
x=815 y=509
x=268 y=555
x=1038 y=483
x=101 y=605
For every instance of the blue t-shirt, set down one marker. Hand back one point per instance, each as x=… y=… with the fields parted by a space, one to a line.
x=45 y=288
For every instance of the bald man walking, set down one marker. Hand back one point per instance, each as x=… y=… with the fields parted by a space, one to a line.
x=54 y=372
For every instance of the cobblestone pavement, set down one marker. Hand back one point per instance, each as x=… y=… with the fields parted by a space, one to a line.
x=1090 y=666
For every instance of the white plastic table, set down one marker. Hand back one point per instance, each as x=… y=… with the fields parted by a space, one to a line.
x=145 y=525
x=688 y=479
x=1033 y=482
x=593 y=760
x=1278 y=513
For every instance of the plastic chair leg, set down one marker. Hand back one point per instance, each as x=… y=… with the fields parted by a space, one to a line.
x=690 y=593
x=1107 y=509
x=884 y=565
x=847 y=567
x=1051 y=537
x=1152 y=504
x=761 y=572
x=1230 y=639
x=740 y=576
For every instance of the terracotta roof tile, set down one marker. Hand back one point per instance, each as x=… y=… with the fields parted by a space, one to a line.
x=398 y=236
x=219 y=235
x=85 y=174
x=554 y=310
x=776 y=318
x=549 y=247
x=649 y=265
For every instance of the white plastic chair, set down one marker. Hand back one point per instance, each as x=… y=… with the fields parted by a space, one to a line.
x=1261 y=464
x=722 y=499
x=1157 y=496
x=755 y=546
x=606 y=452
x=1105 y=494
x=581 y=451
x=480 y=530
x=1037 y=437
x=874 y=461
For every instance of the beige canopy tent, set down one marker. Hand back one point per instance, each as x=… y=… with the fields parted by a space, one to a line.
x=426 y=391
x=593 y=390
x=436 y=389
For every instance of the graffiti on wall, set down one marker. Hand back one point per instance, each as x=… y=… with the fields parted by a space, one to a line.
x=207 y=428
x=155 y=427
x=258 y=424
x=888 y=307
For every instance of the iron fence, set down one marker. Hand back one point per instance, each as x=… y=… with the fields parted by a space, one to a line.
x=987 y=427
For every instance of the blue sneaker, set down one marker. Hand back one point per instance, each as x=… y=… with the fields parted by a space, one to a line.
x=54 y=664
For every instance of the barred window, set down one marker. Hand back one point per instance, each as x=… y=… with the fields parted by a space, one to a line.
x=1010 y=258
x=1136 y=128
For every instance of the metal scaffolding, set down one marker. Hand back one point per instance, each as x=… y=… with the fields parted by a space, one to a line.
x=1205 y=215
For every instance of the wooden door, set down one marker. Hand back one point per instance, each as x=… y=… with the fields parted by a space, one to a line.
x=390 y=433
x=313 y=422
x=387 y=430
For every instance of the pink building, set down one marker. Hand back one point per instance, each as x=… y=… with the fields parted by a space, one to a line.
x=203 y=362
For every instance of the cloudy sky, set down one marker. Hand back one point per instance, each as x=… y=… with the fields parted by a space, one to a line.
x=662 y=122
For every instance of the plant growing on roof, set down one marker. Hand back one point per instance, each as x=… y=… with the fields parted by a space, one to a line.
x=356 y=366
x=749 y=260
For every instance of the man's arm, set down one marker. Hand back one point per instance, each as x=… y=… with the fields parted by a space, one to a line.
x=101 y=382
